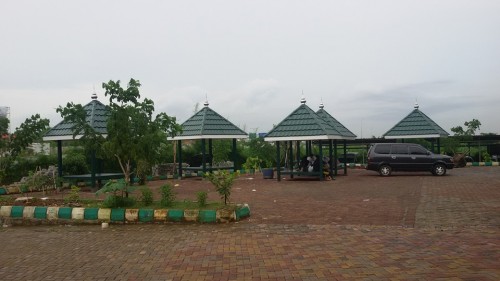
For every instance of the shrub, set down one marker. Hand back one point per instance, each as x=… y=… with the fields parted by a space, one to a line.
x=142 y=171
x=114 y=201
x=486 y=157
x=202 y=198
x=252 y=163
x=146 y=196
x=74 y=194
x=75 y=164
x=116 y=186
x=223 y=181
x=167 y=195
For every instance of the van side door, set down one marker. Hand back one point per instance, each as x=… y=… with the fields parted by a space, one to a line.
x=421 y=158
x=400 y=159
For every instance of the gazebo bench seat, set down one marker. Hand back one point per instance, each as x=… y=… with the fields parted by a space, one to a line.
x=301 y=173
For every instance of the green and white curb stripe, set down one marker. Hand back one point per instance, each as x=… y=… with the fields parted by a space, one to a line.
x=477 y=164
x=116 y=215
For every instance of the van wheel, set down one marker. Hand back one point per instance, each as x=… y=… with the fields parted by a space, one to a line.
x=439 y=170
x=385 y=170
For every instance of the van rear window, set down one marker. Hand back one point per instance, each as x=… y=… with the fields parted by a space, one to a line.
x=383 y=149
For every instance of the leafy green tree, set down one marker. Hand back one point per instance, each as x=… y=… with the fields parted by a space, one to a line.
x=471 y=127
x=452 y=145
x=265 y=151
x=30 y=131
x=133 y=133
x=4 y=125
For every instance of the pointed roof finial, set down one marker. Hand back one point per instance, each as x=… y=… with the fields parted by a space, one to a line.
x=303 y=99
x=206 y=101
x=94 y=95
x=416 y=105
x=321 y=105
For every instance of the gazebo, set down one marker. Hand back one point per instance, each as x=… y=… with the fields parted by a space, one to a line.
x=415 y=126
x=205 y=125
x=345 y=133
x=97 y=117
x=303 y=124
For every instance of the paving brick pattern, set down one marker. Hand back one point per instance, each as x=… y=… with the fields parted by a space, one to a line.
x=359 y=227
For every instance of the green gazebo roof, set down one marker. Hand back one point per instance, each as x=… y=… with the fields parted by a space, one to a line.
x=334 y=123
x=97 y=117
x=208 y=124
x=303 y=124
x=416 y=125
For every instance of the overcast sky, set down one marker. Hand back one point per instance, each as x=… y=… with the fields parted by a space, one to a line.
x=368 y=61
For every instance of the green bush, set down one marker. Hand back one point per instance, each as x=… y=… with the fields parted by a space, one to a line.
x=486 y=157
x=114 y=201
x=74 y=194
x=75 y=163
x=167 y=195
x=142 y=171
x=146 y=196
x=21 y=167
x=202 y=198
x=223 y=182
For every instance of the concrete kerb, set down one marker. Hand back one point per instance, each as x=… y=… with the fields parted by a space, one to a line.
x=28 y=215
x=480 y=164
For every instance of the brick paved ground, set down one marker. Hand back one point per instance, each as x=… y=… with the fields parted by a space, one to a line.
x=359 y=227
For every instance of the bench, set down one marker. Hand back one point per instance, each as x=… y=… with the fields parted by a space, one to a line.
x=301 y=174
x=207 y=168
x=98 y=177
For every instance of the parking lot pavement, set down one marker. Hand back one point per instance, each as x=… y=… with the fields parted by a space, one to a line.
x=359 y=227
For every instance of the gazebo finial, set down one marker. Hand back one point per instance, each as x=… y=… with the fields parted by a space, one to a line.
x=303 y=99
x=94 y=95
x=416 y=105
x=206 y=101
x=321 y=105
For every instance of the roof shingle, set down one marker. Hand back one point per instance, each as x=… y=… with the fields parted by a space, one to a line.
x=97 y=116
x=303 y=124
x=208 y=124
x=416 y=125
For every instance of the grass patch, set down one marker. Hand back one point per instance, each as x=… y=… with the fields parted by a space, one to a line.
x=94 y=203
x=184 y=205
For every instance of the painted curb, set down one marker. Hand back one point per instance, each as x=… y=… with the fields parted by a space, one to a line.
x=477 y=164
x=160 y=215
x=104 y=214
x=26 y=214
x=131 y=215
x=191 y=215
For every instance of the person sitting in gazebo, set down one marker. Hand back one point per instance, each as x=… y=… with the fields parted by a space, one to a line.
x=326 y=168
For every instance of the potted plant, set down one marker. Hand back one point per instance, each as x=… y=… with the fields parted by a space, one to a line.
x=268 y=173
x=268 y=170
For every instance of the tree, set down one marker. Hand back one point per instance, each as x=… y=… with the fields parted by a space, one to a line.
x=257 y=147
x=133 y=134
x=223 y=181
x=30 y=131
x=4 y=125
x=452 y=145
x=471 y=126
